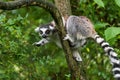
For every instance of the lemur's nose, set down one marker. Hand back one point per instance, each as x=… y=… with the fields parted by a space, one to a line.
x=44 y=36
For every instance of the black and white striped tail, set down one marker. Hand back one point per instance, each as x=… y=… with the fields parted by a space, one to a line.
x=112 y=55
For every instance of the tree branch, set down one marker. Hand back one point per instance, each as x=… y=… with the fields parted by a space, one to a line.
x=11 y=5
x=56 y=16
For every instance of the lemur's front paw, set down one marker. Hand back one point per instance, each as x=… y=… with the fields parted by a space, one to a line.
x=66 y=37
x=36 y=44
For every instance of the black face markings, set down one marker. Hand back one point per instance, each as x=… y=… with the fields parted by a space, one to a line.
x=41 y=32
x=47 y=31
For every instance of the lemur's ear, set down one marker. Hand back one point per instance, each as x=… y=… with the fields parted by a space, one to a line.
x=37 y=29
x=52 y=25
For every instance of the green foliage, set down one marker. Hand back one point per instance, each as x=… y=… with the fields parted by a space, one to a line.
x=112 y=32
x=99 y=3
x=20 y=60
x=100 y=25
x=104 y=15
x=117 y=2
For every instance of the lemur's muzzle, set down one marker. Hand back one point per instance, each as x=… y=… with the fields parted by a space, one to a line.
x=44 y=36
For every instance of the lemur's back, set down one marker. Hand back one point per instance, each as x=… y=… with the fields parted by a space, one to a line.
x=80 y=26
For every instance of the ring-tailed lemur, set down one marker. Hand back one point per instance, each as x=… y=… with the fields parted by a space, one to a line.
x=80 y=28
x=49 y=34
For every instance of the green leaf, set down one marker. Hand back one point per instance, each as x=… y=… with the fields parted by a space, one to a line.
x=117 y=2
x=99 y=3
x=111 y=32
x=100 y=25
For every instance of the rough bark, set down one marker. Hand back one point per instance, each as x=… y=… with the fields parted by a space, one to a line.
x=65 y=9
x=74 y=68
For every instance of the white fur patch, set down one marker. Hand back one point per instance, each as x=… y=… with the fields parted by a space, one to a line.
x=37 y=29
x=105 y=43
x=67 y=37
x=53 y=23
x=63 y=21
x=99 y=40
x=107 y=48
x=117 y=76
x=116 y=69
x=51 y=27
x=113 y=54
x=43 y=30
x=96 y=36
x=113 y=60
x=79 y=36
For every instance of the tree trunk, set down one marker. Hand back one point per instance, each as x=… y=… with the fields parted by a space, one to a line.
x=65 y=9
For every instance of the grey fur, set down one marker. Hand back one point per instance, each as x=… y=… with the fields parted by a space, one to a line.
x=53 y=37
x=79 y=28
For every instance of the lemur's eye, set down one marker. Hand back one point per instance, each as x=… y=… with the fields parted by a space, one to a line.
x=41 y=32
x=47 y=31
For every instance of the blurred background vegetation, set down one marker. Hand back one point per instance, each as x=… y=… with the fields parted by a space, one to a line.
x=20 y=60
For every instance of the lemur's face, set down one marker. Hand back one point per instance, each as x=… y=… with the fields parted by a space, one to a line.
x=45 y=30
